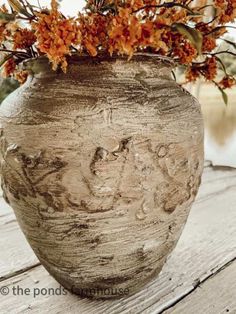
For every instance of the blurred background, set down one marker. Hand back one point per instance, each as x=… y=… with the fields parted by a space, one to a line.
x=220 y=120
x=220 y=125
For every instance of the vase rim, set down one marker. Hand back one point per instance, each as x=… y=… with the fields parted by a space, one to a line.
x=75 y=58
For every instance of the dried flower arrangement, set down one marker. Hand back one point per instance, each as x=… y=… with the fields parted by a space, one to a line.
x=177 y=29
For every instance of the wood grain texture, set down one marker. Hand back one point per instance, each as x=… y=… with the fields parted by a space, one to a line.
x=216 y=295
x=16 y=254
x=206 y=245
x=101 y=166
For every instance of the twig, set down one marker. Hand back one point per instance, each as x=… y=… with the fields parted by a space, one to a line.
x=167 y=5
x=220 y=52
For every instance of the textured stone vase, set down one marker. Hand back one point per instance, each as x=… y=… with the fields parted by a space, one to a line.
x=101 y=166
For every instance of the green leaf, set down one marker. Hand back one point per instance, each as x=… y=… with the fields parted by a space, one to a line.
x=222 y=65
x=7 y=86
x=193 y=35
x=6 y=17
x=16 y=6
x=224 y=95
x=5 y=59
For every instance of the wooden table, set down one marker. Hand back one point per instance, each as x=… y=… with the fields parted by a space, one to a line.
x=199 y=277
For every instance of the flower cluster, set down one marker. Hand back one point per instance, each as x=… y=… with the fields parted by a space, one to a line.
x=183 y=30
x=226 y=10
x=93 y=28
x=56 y=35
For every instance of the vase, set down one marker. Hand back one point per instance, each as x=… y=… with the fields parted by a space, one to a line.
x=101 y=166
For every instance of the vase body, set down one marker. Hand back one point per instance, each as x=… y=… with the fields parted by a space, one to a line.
x=101 y=166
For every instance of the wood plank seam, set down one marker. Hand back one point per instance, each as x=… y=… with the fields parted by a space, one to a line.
x=209 y=196
x=196 y=284
x=18 y=272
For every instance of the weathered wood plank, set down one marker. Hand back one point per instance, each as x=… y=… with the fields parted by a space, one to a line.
x=208 y=242
x=216 y=295
x=39 y=278
x=5 y=210
x=16 y=254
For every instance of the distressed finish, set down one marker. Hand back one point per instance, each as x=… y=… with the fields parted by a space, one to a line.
x=101 y=166
x=206 y=247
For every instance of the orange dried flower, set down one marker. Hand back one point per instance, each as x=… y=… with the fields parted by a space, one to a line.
x=192 y=74
x=220 y=3
x=21 y=76
x=93 y=30
x=209 y=70
x=55 y=35
x=2 y=30
x=3 y=23
x=124 y=33
x=155 y=38
x=204 y=27
x=23 y=39
x=178 y=16
x=208 y=44
x=185 y=52
x=9 y=67
x=226 y=10
x=227 y=82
